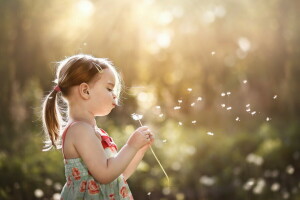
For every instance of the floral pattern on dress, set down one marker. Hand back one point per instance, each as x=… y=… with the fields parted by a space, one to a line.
x=124 y=192
x=93 y=187
x=76 y=173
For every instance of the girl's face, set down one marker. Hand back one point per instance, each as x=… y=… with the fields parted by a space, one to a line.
x=102 y=98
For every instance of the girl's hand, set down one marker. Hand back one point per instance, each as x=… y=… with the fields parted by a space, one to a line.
x=146 y=147
x=140 y=137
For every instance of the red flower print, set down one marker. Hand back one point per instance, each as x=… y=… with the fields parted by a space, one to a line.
x=112 y=197
x=83 y=186
x=69 y=181
x=124 y=192
x=93 y=187
x=76 y=173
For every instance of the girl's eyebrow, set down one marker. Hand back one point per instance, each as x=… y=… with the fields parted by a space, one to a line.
x=111 y=84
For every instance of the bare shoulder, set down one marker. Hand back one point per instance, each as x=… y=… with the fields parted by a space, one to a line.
x=81 y=129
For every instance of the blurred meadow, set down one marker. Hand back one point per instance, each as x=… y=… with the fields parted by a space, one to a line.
x=217 y=81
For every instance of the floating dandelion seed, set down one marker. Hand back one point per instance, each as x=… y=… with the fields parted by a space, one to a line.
x=268 y=119
x=245 y=81
x=149 y=193
x=157 y=107
x=164 y=141
x=275 y=96
x=210 y=133
x=179 y=101
x=237 y=119
x=180 y=123
x=194 y=122
x=247 y=105
x=253 y=113
x=193 y=104
x=248 y=110
x=189 y=89
x=139 y=117
x=223 y=94
x=161 y=115
x=177 y=107
x=229 y=108
x=199 y=99
x=213 y=53
x=228 y=93
x=223 y=105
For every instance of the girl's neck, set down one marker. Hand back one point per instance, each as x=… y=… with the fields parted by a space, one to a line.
x=77 y=115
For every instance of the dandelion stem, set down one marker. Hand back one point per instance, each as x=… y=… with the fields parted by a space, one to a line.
x=158 y=161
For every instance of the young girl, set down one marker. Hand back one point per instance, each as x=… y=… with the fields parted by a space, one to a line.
x=94 y=169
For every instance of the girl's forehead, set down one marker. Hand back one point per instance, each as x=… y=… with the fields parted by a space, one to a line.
x=107 y=76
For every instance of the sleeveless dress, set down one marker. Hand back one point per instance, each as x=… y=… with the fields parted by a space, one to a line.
x=80 y=184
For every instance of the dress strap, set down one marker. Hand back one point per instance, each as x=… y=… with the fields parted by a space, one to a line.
x=64 y=136
x=106 y=140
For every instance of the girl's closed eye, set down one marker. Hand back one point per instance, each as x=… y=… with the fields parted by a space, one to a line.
x=109 y=89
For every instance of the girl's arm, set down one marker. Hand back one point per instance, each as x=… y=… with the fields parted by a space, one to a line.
x=137 y=159
x=134 y=163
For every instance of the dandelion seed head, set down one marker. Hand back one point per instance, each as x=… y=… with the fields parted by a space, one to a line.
x=199 y=99
x=223 y=105
x=228 y=93
x=229 y=108
x=223 y=94
x=194 y=122
x=247 y=105
x=237 y=119
x=245 y=81
x=136 y=116
x=268 y=119
x=275 y=96
x=180 y=123
x=193 y=104
x=189 y=89
x=253 y=113
x=179 y=101
x=248 y=110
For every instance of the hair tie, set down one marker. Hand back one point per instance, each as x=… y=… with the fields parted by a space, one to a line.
x=57 y=88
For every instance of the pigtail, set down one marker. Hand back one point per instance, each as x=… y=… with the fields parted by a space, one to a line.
x=51 y=121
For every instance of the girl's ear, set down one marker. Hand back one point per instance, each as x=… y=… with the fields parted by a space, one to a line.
x=84 y=91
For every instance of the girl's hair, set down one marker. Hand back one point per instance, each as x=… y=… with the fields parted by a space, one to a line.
x=71 y=71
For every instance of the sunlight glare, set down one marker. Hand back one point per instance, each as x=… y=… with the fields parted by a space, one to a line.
x=85 y=8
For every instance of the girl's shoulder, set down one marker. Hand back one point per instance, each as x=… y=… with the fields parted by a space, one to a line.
x=78 y=128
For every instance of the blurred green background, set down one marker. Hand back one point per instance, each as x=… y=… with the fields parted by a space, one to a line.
x=217 y=81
